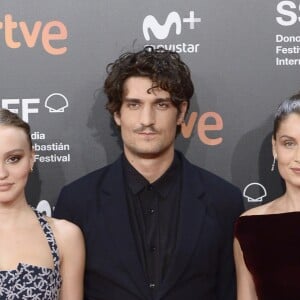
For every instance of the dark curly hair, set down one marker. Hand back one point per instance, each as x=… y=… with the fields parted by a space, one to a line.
x=165 y=68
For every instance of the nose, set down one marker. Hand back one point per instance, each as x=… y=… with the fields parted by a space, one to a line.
x=147 y=116
x=3 y=171
x=297 y=155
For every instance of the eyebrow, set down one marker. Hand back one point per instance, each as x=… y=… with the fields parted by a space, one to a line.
x=14 y=151
x=286 y=136
x=157 y=100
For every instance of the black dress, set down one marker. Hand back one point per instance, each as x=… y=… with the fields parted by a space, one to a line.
x=271 y=249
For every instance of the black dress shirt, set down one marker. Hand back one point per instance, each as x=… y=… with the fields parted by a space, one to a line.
x=154 y=216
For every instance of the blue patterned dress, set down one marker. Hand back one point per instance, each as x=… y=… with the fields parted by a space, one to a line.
x=33 y=282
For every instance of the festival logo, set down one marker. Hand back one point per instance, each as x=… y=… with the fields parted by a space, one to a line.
x=254 y=192
x=288 y=13
x=56 y=103
x=287 y=39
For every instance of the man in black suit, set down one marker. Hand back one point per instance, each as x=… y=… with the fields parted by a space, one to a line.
x=156 y=226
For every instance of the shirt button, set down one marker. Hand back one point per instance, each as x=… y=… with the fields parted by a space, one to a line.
x=151 y=211
x=153 y=249
x=150 y=187
x=151 y=285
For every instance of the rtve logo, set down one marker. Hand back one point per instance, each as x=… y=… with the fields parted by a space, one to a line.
x=289 y=11
x=208 y=127
x=50 y=34
x=161 y=32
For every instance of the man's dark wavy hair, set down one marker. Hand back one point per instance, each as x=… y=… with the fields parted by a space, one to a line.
x=165 y=68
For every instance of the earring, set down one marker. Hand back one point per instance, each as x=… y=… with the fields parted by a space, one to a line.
x=273 y=164
x=31 y=169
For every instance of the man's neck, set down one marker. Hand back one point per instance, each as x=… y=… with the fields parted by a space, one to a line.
x=153 y=167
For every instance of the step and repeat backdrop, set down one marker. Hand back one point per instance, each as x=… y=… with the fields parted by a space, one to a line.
x=244 y=58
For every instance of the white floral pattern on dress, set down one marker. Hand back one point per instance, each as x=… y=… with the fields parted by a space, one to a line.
x=33 y=282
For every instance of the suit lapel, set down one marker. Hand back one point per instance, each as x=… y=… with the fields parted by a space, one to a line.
x=191 y=219
x=114 y=210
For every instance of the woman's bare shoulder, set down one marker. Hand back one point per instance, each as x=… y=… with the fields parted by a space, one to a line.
x=265 y=209
x=64 y=229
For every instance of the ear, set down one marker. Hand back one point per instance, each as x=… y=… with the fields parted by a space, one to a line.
x=182 y=112
x=117 y=118
x=274 y=147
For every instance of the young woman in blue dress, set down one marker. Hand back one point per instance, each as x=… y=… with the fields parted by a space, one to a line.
x=40 y=257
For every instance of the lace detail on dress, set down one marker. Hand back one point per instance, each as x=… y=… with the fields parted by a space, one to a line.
x=33 y=282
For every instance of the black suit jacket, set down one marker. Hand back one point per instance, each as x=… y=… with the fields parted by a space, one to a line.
x=202 y=265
